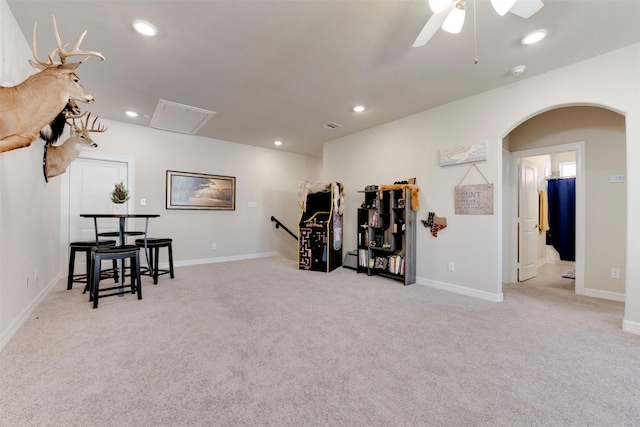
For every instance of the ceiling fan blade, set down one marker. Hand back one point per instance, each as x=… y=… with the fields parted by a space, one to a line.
x=526 y=8
x=502 y=6
x=432 y=26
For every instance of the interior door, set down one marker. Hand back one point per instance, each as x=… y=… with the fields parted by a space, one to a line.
x=527 y=219
x=90 y=182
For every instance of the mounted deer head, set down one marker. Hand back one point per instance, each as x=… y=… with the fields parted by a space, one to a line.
x=28 y=107
x=58 y=157
x=53 y=131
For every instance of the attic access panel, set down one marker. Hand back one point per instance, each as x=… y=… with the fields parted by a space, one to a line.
x=179 y=118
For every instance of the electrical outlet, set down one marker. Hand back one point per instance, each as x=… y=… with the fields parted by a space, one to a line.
x=214 y=246
x=615 y=273
x=452 y=266
x=143 y=202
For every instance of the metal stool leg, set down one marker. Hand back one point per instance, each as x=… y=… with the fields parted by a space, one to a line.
x=170 y=261
x=72 y=261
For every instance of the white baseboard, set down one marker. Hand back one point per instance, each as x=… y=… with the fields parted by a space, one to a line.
x=631 y=327
x=488 y=296
x=218 y=259
x=613 y=296
x=19 y=321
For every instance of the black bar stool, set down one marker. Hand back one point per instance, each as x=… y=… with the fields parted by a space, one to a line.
x=153 y=245
x=116 y=234
x=86 y=248
x=101 y=253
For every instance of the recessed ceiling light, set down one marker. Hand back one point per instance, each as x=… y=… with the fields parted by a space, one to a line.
x=131 y=113
x=359 y=108
x=145 y=28
x=534 y=37
x=278 y=143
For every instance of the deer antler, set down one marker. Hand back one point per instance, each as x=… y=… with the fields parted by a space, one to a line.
x=85 y=124
x=69 y=115
x=100 y=128
x=62 y=53
x=76 y=47
x=50 y=62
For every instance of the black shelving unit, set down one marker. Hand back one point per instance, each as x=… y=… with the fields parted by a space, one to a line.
x=387 y=235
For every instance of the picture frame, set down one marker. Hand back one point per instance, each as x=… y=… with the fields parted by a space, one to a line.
x=380 y=263
x=200 y=191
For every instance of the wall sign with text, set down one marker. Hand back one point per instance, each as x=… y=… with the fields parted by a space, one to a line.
x=474 y=199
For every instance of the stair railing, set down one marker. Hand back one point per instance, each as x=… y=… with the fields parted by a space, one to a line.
x=279 y=224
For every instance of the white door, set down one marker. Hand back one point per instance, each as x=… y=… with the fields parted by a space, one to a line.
x=90 y=182
x=527 y=220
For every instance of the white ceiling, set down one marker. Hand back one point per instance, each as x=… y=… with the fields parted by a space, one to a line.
x=275 y=69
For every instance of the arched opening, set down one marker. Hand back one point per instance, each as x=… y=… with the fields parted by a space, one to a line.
x=600 y=237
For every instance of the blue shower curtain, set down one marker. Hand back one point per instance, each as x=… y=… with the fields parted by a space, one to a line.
x=562 y=217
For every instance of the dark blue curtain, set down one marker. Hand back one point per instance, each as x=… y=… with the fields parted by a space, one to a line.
x=562 y=217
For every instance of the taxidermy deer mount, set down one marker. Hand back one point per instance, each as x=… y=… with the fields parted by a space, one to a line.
x=53 y=131
x=58 y=157
x=25 y=109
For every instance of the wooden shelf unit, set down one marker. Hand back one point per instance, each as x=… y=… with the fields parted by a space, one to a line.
x=387 y=235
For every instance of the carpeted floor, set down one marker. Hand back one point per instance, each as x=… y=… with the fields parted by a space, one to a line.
x=261 y=343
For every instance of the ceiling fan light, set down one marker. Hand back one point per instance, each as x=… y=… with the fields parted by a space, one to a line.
x=502 y=6
x=438 y=6
x=455 y=20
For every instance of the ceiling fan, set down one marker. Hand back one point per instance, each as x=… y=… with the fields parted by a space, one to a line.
x=450 y=14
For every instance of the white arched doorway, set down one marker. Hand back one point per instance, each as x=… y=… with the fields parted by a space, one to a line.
x=600 y=199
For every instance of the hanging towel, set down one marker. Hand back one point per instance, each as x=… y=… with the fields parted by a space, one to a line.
x=543 y=210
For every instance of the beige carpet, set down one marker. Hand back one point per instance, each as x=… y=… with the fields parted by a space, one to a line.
x=260 y=343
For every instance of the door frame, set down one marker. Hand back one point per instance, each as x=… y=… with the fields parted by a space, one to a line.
x=64 y=198
x=515 y=156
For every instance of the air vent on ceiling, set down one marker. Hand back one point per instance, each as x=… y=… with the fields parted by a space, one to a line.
x=331 y=125
x=180 y=118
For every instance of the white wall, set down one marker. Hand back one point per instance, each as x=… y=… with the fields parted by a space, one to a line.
x=268 y=177
x=30 y=211
x=29 y=208
x=409 y=147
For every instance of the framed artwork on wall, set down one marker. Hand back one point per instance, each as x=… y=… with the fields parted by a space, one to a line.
x=198 y=191
x=463 y=154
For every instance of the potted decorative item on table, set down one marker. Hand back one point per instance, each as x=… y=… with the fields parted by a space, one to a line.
x=119 y=196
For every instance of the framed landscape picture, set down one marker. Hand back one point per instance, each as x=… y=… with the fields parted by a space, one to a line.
x=187 y=190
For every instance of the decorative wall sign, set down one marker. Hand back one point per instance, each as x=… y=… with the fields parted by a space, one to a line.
x=463 y=154
x=187 y=190
x=474 y=199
